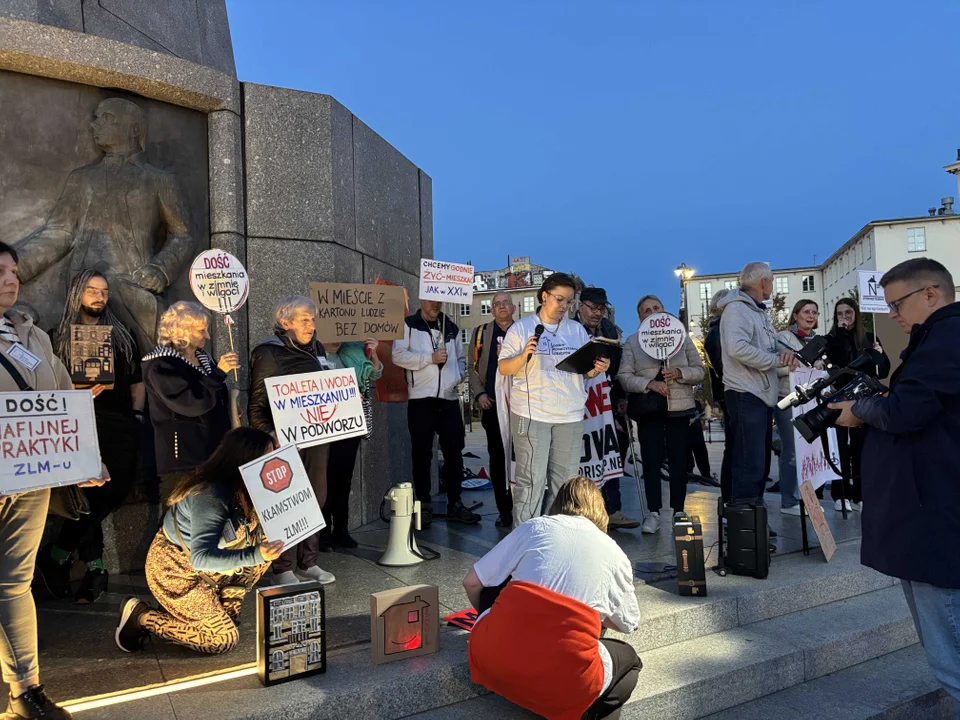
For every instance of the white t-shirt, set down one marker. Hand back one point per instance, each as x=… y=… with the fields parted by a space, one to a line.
x=569 y=555
x=554 y=396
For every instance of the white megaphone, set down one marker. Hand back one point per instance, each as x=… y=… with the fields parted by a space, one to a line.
x=404 y=517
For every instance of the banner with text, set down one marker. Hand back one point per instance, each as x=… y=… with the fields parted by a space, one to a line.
x=283 y=496
x=47 y=439
x=219 y=281
x=600 y=460
x=316 y=408
x=812 y=465
x=446 y=282
x=351 y=312
x=872 y=299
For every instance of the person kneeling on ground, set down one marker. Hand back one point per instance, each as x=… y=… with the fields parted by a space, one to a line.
x=208 y=554
x=543 y=594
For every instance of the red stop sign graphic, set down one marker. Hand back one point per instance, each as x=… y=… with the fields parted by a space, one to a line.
x=276 y=475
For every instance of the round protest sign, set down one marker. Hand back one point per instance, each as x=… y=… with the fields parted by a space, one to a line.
x=661 y=336
x=219 y=281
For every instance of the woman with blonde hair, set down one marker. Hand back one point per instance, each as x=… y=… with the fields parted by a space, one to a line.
x=543 y=594
x=188 y=397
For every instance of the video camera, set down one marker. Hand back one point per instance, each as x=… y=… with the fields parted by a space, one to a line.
x=856 y=384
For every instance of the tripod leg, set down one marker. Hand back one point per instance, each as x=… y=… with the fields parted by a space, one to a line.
x=803 y=529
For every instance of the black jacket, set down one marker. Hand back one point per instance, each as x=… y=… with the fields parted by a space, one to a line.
x=190 y=410
x=277 y=355
x=711 y=343
x=610 y=331
x=911 y=457
x=842 y=350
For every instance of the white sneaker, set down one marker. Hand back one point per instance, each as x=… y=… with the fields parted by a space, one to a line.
x=285 y=578
x=795 y=510
x=836 y=506
x=619 y=520
x=319 y=574
x=651 y=524
x=857 y=507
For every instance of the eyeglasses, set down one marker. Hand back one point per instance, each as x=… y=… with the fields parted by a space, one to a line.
x=560 y=299
x=590 y=307
x=502 y=304
x=96 y=292
x=895 y=304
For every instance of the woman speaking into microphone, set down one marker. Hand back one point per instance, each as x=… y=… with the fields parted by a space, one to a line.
x=546 y=404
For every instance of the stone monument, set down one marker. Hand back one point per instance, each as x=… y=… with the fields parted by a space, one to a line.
x=129 y=146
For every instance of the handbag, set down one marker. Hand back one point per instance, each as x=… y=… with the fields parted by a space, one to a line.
x=647 y=406
x=69 y=501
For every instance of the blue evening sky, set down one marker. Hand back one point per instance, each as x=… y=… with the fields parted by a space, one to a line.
x=619 y=138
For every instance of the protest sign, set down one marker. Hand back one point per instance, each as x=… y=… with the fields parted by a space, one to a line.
x=661 y=336
x=47 y=439
x=291 y=632
x=871 y=294
x=283 y=496
x=465 y=619
x=219 y=281
x=446 y=282
x=316 y=408
x=600 y=460
x=812 y=464
x=812 y=504
x=352 y=312
x=392 y=385
x=91 y=355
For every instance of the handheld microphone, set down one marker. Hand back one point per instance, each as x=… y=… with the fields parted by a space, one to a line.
x=537 y=332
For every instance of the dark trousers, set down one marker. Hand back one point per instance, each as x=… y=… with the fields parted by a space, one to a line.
x=119 y=454
x=305 y=553
x=427 y=417
x=498 y=467
x=612 y=501
x=850 y=447
x=750 y=422
x=626 y=665
x=661 y=438
x=340 y=465
x=698 y=449
x=726 y=467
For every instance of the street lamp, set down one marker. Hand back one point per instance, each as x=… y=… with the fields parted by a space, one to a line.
x=684 y=273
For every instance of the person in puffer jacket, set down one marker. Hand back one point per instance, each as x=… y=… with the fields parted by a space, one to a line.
x=432 y=357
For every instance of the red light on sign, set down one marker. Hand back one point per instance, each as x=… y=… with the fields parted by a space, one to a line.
x=276 y=475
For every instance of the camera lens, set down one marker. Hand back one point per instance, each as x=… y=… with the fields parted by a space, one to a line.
x=813 y=423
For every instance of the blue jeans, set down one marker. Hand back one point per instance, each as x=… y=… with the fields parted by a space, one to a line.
x=750 y=421
x=936 y=614
x=611 y=496
x=789 y=486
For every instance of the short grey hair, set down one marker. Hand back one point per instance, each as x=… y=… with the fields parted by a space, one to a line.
x=719 y=295
x=288 y=308
x=642 y=300
x=753 y=273
x=507 y=295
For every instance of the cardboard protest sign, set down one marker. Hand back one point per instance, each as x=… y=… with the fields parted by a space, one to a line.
x=812 y=464
x=661 y=336
x=871 y=294
x=404 y=623
x=291 y=632
x=600 y=460
x=809 y=496
x=219 y=281
x=316 y=408
x=91 y=355
x=353 y=312
x=47 y=439
x=283 y=496
x=446 y=282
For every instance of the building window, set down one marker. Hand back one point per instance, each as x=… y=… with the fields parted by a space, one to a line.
x=529 y=304
x=859 y=252
x=464 y=310
x=869 y=243
x=706 y=291
x=484 y=307
x=729 y=284
x=916 y=240
x=809 y=283
x=465 y=336
x=782 y=285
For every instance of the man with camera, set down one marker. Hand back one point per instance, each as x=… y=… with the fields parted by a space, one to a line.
x=911 y=459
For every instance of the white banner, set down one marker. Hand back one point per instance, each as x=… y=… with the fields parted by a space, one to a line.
x=446 y=282
x=811 y=463
x=600 y=460
x=219 y=281
x=281 y=492
x=47 y=439
x=661 y=336
x=316 y=408
x=871 y=294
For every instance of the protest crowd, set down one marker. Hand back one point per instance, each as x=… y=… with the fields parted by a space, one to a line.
x=547 y=387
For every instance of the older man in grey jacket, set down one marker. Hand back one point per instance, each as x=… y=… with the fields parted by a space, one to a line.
x=751 y=356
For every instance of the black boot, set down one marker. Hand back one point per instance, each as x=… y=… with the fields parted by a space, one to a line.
x=54 y=576
x=34 y=703
x=456 y=511
x=341 y=538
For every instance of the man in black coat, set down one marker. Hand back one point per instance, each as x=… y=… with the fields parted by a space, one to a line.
x=911 y=492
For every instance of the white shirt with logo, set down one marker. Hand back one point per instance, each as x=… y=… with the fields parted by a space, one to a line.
x=541 y=392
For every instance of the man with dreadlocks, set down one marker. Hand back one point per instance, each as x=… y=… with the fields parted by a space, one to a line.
x=119 y=413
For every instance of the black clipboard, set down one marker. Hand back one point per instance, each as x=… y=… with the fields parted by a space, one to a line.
x=581 y=362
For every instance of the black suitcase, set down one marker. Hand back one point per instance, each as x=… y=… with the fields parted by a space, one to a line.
x=691 y=573
x=747 y=548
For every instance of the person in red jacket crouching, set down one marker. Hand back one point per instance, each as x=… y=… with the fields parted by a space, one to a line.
x=543 y=594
